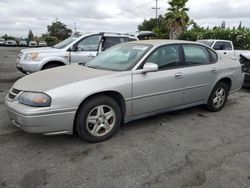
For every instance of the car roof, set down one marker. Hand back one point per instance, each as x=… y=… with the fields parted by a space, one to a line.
x=107 y=34
x=163 y=42
x=215 y=40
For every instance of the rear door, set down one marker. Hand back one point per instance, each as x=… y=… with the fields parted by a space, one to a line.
x=156 y=91
x=199 y=73
x=86 y=49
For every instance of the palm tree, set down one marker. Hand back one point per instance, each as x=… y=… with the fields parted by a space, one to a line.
x=177 y=18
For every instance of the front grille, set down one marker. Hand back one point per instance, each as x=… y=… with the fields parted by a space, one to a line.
x=13 y=93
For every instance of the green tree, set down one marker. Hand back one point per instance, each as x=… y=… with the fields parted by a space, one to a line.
x=30 y=36
x=177 y=18
x=49 y=39
x=59 y=30
x=155 y=25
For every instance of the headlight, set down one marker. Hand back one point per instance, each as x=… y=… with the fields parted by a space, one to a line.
x=31 y=56
x=35 y=99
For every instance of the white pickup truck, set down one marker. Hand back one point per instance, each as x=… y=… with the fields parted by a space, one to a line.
x=226 y=49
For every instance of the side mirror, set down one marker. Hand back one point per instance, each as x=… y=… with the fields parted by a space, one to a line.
x=150 y=67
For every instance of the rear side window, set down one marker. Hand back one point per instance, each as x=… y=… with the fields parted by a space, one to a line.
x=111 y=41
x=196 y=55
x=213 y=56
x=219 y=45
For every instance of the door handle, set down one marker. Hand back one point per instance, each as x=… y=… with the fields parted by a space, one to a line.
x=225 y=53
x=214 y=69
x=90 y=55
x=178 y=75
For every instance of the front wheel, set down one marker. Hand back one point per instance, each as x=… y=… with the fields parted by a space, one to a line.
x=51 y=65
x=218 y=97
x=98 y=119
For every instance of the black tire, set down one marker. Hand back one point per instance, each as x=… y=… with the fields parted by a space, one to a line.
x=51 y=65
x=211 y=106
x=87 y=108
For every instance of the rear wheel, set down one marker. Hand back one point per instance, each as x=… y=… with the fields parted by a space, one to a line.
x=218 y=97
x=98 y=119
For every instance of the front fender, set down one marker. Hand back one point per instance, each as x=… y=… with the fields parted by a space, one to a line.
x=53 y=59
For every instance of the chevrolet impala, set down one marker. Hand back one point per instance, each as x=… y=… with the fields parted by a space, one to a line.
x=127 y=82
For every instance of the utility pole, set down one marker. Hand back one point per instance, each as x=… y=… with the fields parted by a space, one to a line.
x=156 y=9
x=75 y=26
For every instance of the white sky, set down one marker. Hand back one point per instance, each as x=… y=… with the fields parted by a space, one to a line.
x=18 y=16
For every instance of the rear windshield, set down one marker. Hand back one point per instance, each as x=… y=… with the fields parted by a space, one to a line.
x=206 y=42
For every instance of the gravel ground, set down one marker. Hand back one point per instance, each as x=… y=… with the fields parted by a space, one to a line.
x=187 y=148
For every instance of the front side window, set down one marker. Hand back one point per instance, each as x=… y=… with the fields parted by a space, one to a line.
x=89 y=44
x=165 y=57
x=196 y=55
x=120 y=57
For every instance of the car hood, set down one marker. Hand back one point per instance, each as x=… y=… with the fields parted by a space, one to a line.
x=43 y=49
x=52 y=78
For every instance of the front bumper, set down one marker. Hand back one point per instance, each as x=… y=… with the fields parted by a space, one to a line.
x=46 y=122
x=28 y=66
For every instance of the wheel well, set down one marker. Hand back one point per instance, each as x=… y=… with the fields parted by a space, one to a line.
x=59 y=63
x=226 y=81
x=113 y=94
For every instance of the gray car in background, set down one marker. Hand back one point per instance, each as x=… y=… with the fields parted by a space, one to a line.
x=127 y=82
x=11 y=43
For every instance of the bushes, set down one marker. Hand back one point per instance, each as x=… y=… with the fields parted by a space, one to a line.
x=239 y=37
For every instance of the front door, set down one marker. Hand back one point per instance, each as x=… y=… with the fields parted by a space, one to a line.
x=85 y=50
x=157 y=91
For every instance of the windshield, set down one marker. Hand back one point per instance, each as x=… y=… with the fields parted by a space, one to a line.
x=206 y=42
x=120 y=57
x=65 y=42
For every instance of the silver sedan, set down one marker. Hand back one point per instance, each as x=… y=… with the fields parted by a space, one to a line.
x=127 y=82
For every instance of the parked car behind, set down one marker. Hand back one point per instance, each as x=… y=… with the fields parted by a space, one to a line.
x=2 y=42
x=127 y=82
x=245 y=61
x=79 y=48
x=42 y=44
x=11 y=43
x=223 y=47
x=23 y=43
x=32 y=44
